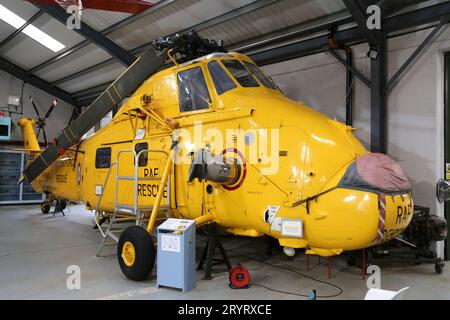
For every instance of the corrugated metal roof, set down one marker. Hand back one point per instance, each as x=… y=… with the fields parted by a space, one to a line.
x=179 y=15
x=84 y=58
x=22 y=8
x=26 y=53
x=100 y=20
x=94 y=78
x=277 y=16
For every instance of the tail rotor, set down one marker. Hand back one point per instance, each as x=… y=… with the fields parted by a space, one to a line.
x=41 y=122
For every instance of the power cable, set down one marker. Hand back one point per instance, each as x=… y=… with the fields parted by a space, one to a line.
x=340 y=290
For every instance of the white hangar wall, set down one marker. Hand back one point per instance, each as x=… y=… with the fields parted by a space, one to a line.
x=58 y=120
x=416 y=105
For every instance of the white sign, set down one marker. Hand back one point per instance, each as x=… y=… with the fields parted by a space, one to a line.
x=170 y=243
x=292 y=228
x=98 y=190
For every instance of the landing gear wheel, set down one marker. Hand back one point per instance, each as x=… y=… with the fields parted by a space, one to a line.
x=136 y=253
x=45 y=207
x=439 y=267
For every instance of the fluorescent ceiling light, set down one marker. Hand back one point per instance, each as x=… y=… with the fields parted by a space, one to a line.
x=43 y=38
x=11 y=18
x=34 y=33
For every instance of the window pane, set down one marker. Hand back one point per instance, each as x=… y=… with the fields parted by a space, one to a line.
x=241 y=74
x=103 y=158
x=261 y=77
x=143 y=158
x=222 y=81
x=193 y=92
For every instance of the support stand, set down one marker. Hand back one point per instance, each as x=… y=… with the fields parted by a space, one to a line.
x=59 y=207
x=209 y=251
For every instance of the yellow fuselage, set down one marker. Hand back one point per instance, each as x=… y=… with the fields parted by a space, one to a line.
x=314 y=153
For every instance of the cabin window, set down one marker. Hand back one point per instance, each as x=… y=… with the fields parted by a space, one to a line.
x=241 y=74
x=103 y=158
x=143 y=159
x=193 y=92
x=260 y=76
x=222 y=81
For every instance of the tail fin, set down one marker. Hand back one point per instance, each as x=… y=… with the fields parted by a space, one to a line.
x=30 y=140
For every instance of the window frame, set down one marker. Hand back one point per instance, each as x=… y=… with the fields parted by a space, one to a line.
x=97 y=165
x=144 y=156
x=245 y=67
x=265 y=77
x=224 y=69
x=207 y=79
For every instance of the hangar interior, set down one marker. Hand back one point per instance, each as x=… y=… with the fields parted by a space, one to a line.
x=391 y=85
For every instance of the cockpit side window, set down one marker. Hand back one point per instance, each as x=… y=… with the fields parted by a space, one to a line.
x=241 y=74
x=222 y=81
x=260 y=75
x=193 y=91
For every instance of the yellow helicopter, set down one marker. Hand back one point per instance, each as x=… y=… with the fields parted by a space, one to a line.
x=209 y=137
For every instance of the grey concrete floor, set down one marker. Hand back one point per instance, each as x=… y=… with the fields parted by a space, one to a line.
x=36 y=249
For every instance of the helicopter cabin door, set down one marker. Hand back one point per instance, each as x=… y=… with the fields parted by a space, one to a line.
x=194 y=100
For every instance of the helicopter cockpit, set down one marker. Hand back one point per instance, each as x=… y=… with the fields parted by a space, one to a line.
x=227 y=72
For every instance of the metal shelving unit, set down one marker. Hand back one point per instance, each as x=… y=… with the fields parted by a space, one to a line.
x=12 y=164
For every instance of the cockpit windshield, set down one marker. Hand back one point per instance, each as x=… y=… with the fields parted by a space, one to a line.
x=260 y=76
x=240 y=73
x=247 y=74
x=221 y=79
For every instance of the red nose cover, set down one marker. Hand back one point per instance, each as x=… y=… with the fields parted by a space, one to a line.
x=382 y=172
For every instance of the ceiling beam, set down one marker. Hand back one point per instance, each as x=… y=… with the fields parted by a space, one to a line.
x=39 y=83
x=17 y=31
x=109 y=30
x=116 y=51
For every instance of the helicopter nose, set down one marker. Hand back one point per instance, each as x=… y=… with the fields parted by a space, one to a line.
x=380 y=174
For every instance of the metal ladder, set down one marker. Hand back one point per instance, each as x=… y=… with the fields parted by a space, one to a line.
x=134 y=210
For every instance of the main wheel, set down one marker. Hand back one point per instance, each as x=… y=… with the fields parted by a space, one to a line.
x=45 y=207
x=136 y=253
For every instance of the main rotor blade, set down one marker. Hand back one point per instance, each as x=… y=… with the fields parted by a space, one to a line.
x=124 y=86
x=35 y=108
x=52 y=107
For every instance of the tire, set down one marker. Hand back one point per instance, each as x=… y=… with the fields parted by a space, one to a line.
x=439 y=267
x=45 y=207
x=136 y=253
